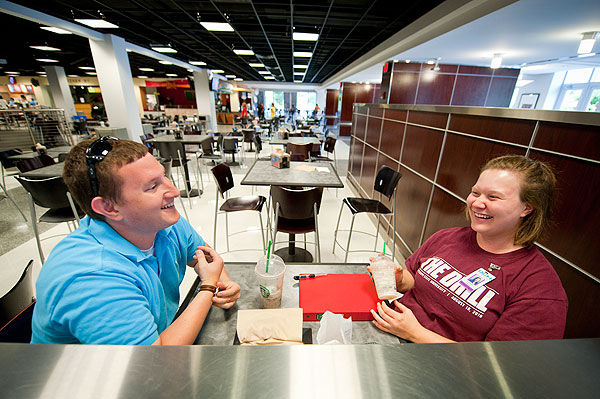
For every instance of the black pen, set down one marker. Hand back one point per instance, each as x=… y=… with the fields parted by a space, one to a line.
x=303 y=276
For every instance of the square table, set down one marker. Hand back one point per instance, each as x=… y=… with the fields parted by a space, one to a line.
x=301 y=174
x=46 y=172
x=295 y=140
x=220 y=325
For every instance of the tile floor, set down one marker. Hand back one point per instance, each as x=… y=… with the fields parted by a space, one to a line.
x=246 y=247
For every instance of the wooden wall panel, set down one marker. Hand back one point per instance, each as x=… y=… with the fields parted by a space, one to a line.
x=356 y=156
x=331 y=102
x=367 y=177
x=435 y=88
x=432 y=119
x=397 y=115
x=581 y=141
x=373 y=131
x=404 y=88
x=500 y=92
x=446 y=211
x=471 y=90
x=361 y=126
x=422 y=149
x=363 y=94
x=504 y=129
x=382 y=161
x=391 y=138
x=348 y=95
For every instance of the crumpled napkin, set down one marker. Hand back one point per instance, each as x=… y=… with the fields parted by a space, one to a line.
x=270 y=326
x=334 y=329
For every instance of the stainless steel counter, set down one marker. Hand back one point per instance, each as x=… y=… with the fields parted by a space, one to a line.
x=534 y=369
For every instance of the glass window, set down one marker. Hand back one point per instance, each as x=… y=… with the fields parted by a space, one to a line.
x=578 y=76
x=306 y=101
x=596 y=75
x=592 y=104
x=570 y=100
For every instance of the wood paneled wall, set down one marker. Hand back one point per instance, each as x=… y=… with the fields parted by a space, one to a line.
x=439 y=151
x=331 y=105
x=355 y=93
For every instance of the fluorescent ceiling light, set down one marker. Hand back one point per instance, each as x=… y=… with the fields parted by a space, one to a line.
x=171 y=74
x=87 y=68
x=586 y=55
x=72 y=76
x=162 y=48
x=56 y=30
x=41 y=73
x=301 y=66
x=244 y=52
x=201 y=63
x=430 y=62
x=496 y=61
x=13 y=73
x=300 y=73
x=217 y=71
x=91 y=73
x=297 y=81
x=269 y=78
x=230 y=76
x=165 y=62
x=217 y=26
x=264 y=72
x=587 y=42
x=256 y=65
x=303 y=54
x=407 y=61
x=96 y=23
x=142 y=77
x=45 y=48
x=46 y=60
x=311 y=37
x=146 y=69
x=238 y=79
x=190 y=70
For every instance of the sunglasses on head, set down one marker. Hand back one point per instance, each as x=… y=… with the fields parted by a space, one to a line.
x=95 y=153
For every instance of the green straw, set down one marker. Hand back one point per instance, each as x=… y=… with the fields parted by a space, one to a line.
x=268 y=256
x=384 y=248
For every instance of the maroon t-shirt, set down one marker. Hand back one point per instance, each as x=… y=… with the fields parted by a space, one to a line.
x=525 y=301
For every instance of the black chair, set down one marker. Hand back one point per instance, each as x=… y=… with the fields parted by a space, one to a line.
x=299 y=152
x=16 y=309
x=385 y=183
x=208 y=152
x=50 y=193
x=224 y=181
x=166 y=164
x=249 y=137
x=296 y=211
x=25 y=165
x=173 y=151
x=328 y=147
x=230 y=146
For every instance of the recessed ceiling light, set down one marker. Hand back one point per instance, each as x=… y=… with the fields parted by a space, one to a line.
x=161 y=48
x=56 y=30
x=217 y=26
x=96 y=23
x=264 y=72
x=46 y=60
x=407 y=61
x=430 y=62
x=238 y=79
x=72 y=76
x=87 y=68
x=165 y=62
x=311 y=37
x=91 y=73
x=256 y=65
x=217 y=70
x=146 y=69
x=303 y=54
x=230 y=76
x=301 y=66
x=143 y=77
x=243 y=52
x=171 y=74
x=201 y=63
x=45 y=48
x=269 y=78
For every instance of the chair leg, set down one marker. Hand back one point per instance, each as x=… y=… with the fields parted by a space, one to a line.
x=262 y=232
x=377 y=231
x=336 y=227
x=349 y=237
x=35 y=229
x=12 y=200
x=215 y=225
x=227 y=229
x=317 y=240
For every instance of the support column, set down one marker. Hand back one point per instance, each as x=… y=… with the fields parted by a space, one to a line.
x=60 y=91
x=205 y=99
x=116 y=83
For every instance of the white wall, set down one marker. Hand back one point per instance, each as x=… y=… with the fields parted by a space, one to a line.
x=547 y=85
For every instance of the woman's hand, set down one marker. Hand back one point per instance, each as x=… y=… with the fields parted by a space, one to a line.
x=209 y=272
x=402 y=323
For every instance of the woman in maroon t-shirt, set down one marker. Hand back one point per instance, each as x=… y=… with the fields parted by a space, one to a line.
x=522 y=297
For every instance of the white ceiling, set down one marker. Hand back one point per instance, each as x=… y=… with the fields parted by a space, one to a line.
x=544 y=33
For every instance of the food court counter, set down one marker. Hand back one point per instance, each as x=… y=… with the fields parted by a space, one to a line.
x=542 y=369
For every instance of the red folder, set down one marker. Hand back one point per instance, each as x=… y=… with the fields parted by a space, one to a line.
x=348 y=294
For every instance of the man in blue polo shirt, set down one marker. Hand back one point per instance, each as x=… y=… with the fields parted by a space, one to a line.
x=115 y=280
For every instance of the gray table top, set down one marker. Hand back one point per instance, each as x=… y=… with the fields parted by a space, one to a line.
x=186 y=139
x=45 y=172
x=53 y=152
x=521 y=369
x=303 y=174
x=220 y=325
x=295 y=140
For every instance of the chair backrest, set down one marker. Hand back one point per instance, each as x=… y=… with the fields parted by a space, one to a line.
x=386 y=181
x=170 y=150
x=299 y=152
x=167 y=164
x=248 y=136
x=19 y=297
x=329 y=144
x=229 y=145
x=258 y=143
x=296 y=203
x=207 y=146
x=223 y=177
x=47 y=193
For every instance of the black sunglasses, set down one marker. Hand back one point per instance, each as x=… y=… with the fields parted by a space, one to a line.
x=95 y=153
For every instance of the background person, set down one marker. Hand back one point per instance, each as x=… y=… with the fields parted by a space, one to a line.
x=115 y=280
x=508 y=208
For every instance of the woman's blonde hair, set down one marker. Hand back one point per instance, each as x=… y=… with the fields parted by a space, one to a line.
x=537 y=190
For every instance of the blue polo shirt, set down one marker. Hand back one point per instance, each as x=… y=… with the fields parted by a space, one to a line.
x=98 y=288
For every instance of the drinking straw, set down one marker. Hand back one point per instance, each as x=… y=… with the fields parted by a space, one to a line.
x=384 y=248
x=268 y=256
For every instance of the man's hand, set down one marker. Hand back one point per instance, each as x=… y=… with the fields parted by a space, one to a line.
x=229 y=293
x=209 y=267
